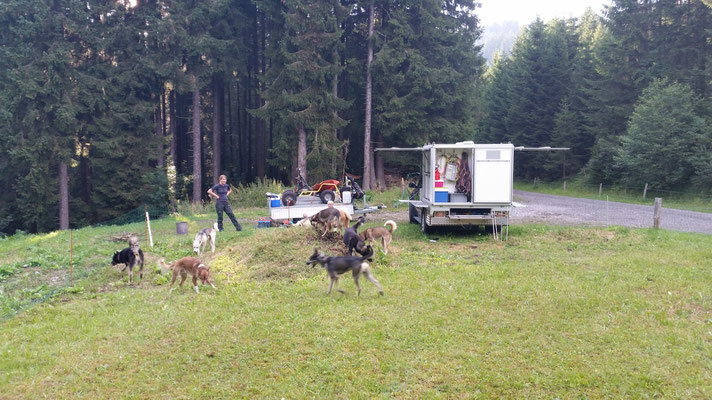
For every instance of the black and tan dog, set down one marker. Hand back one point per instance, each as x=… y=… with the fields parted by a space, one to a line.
x=187 y=266
x=336 y=266
x=130 y=256
x=353 y=241
x=371 y=235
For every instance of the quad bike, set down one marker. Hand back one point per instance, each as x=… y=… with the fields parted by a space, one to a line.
x=326 y=190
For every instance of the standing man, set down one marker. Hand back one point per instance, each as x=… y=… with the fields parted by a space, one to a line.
x=220 y=192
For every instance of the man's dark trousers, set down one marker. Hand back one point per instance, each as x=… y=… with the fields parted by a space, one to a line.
x=221 y=206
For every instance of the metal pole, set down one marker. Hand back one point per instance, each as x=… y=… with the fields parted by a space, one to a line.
x=645 y=191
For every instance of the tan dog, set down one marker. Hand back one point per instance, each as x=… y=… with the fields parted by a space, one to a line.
x=344 y=219
x=340 y=223
x=372 y=234
x=187 y=266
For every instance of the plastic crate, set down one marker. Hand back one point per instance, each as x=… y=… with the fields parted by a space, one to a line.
x=458 y=198
x=441 y=196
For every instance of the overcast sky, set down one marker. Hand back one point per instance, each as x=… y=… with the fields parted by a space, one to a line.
x=525 y=11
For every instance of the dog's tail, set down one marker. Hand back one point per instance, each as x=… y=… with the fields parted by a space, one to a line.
x=392 y=224
x=367 y=254
x=358 y=223
x=215 y=226
x=165 y=267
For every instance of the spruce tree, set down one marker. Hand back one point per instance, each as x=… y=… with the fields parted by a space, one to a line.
x=665 y=129
x=299 y=90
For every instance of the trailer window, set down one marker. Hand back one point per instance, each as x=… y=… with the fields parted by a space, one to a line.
x=493 y=155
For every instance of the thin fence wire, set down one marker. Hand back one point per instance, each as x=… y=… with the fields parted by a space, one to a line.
x=137 y=215
x=31 y=296
x=44 y=273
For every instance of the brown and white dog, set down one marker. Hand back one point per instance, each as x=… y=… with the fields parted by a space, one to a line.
x=371 y=235
x=187 y=266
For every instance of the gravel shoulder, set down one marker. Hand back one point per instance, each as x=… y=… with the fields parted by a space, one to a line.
x=561 y=210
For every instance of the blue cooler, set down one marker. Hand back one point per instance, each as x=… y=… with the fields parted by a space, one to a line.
x=273 y=200
x=441 y=196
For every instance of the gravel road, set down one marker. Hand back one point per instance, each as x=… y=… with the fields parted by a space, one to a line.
x=561 y=210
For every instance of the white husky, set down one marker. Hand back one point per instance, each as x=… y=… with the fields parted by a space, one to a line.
x=203 y=237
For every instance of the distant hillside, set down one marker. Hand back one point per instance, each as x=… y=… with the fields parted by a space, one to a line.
x=499 y=37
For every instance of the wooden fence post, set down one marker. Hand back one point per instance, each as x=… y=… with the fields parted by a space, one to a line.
x=564 y=186
x=535 y=178
x=657 y=211
x=600 y=189
x=645 y=191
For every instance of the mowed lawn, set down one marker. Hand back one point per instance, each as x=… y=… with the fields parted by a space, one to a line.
x=553 y=312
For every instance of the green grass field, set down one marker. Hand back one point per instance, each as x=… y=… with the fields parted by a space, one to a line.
x=552 y=313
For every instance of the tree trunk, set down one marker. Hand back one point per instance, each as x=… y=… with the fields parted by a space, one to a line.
x=335 y=93
x=197 y=172
x=85 y=172
x=302 y=151
x=63 y=197
x=230 y=144
x=173 y=129
x=163 y=115
x=367 y=163
x=259 y=44
x=158 y=129
x=380 y=174
x=217 y=126
x=245 y=129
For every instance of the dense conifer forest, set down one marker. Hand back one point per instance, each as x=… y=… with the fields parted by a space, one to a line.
x=107 y=105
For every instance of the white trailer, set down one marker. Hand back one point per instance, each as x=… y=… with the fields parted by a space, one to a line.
x=305 y=207
x=438 y=202
x=308 y=206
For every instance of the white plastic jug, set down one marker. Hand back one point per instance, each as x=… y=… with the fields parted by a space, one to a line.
x=346 y=196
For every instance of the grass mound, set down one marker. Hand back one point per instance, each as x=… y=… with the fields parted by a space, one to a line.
x=275 y=254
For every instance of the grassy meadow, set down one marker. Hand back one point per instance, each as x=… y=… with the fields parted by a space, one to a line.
x=555 y=312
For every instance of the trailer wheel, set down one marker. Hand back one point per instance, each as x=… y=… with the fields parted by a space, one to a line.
x=289 y=198
x=327 y=196
x=412 y=213
x=423 y=222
